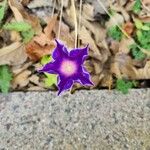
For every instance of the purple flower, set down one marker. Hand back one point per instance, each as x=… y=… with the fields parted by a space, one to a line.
x=68 y=66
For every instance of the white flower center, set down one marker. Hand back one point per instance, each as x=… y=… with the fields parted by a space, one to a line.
x=68 y=67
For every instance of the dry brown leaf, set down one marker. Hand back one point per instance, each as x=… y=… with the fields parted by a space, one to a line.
x=50 y=26
x=128 y=27
x=143 y=73
x=36 y=52
x=65 y=35
x=85 y=37
x=114 y=46
x=34 y=79
x=88 y=12
x=13 y=54
x=98 y=32
x=116 y=19
x=146 y=2
x=122 y=67
x=15 y=36
x=16 y=7
x=96 y=80
x=21 y=80
x=36 y=88
x=107 y=80
x=20 y=68
x=43 y=43
x=25 y=2
x=97 y=66
x=125 y=44
x=42 y=40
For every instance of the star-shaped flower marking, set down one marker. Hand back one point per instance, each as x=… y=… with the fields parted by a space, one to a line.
x=69 y=66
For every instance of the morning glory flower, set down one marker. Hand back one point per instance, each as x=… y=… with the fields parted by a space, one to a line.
x=68 y=66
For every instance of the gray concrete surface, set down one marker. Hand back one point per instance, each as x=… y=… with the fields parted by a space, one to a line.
x=86 y=120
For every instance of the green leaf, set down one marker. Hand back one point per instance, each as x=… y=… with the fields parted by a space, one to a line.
x=50 y=79
x=27 y=35
x=5 y=78
x=137 y=6
x=18 y=26
x=136 y=52
x=2 y=9
x=115 y=33
x=143 y=38
x=146 y=28
x=124 y=86
x=138 y=23
x=46 y=59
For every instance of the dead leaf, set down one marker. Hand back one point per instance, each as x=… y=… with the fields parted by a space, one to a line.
x=20 y=68
x=128 y=27
x=36 y=52
x=124 y=45
x=122 y=67
x=143 y=73
x=13 y=54
x=43 y=43
x=85 y=37
x=36 y=88
x=16 y=7
x=88 y=12
x=65 y=35
x=21 y=80
x=34 y=79
x=50 y=26
x=98 y=32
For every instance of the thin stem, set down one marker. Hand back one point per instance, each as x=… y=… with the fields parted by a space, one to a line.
x=75 y=21
x=80 y=17
x=60 y=19
x=53 y=9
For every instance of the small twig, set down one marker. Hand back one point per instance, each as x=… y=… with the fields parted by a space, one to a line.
x=60 y=19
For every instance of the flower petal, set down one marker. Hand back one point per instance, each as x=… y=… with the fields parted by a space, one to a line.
x=64 y=84
x=80 y=53
x=51 y=67
x=84 y=77
x=60 y=51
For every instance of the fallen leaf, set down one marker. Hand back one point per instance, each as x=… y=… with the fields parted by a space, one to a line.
x=124 y=45
x=122 y=67
x=143 y=73
x=128 y=27
x=13 y=54
x=21 y=80
x=85 y=37
x=65 y=35
x=36 y=88
x=43 y=43
x=36 y=52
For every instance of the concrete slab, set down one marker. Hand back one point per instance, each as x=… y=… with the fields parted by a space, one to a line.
x=86 y=120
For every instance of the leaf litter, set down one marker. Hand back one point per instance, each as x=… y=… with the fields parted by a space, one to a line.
x=118 y=33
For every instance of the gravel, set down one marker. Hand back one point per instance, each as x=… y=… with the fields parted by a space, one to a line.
x=86 y=120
